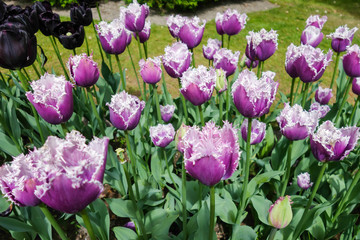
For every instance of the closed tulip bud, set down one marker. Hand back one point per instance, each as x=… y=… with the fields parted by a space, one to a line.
x=130 y=225
x=221 y=82
x=233 y=22
x=177 y=59
x=323 y=95
x=291 y=56
x=192 y=32
x=342 y=38
x=280 y=213
x=303 y=181
x=144 y=35
x=180 y=133
x=83 y=70
x=258 y=130
x=316 y=21
x=351 y=61
x=162 y=134
x=322 y=110
x=52 y=98
x=210 y=49
x=226 y=60
x=167 y=112
x=174 y=24
x=356 y=86
x=135 y=15
x=70 y=35
x=218 y=21
x=312 y=36
x=254 y=63
x=150 y=70
x=261 y=45
x=113 y=36
x=81 y=14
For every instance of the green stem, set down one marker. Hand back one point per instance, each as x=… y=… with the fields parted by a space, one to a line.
x=335 y=69
x=288 y=168
x=343 y=100
x=145 y=50
x=136 y=75
x=53 y=222
x=88 y=224
x=167 y=95
x=87 y=45
x=200 y=194
x=98 y=41
x=272 y=234
x=101 y=126
x=53 y=42
x=201 y=116
x=139 y=45
x=133 y=164
x=110 y=62
x=184 y=105
x=227 y=99
x=36 y=70
x=123 y=83
x=259 y=69
x=183 y=199
x=292 y=91
x=168 y=169
x=228 y=43
x=305 y=95
x=157 y=104
x=193 y=57
x=74 y=52
x=222 y=41
x=353 y=111
x=98 y=11
x=220 y=109
x=212 y=211
x=298 y=228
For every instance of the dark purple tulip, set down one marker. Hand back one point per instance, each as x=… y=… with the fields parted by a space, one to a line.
x=351 y=61
x=113 y=36
x=144 y=35
x=295 y=123
x=303 y=181
x=52 y=98
x=162 y=134
x=356 y=86
x=41 y=7
x=174 y=24
x=135 y=15
x=70 y=35
x=261 y=45
x=332 y=144
x=312 y=36
x=316 y=21
x=212 y=154
x=83 y=70
x=150 y=70
x=253 y=97
x=198 y=84
x=226 y=60
x=342 y=38
x=167 y=112
x=210 y=49
x=254 y=63
x=322 y=110
x=291 y=56
x=323 y=95
x=2 y=11
x=233 y=22
x=81 y=14
x=48 y=22
x=192 y=32
x=258 y=130
x=125 y=110
x=177 y=59
x=218 y=21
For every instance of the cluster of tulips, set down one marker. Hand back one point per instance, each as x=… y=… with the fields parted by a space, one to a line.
x=60 y=168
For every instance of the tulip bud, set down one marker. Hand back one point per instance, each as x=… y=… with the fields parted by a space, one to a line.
x=351 y=61
x=162 y=134
x=83 y=70
x=150 y=70
x=221 y=83
x=180 y=133
x=323 y=95
x=356 y=86
x=280 y=213
x=303 y=180
x=167 y=112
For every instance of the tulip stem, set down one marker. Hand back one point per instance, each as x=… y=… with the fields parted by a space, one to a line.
x=168 y=169
x=137 y=78
x=343 y=201
x=353 y=111
x=167 y=95
x=145 y=50
x=133 y=164
x=298 y=228
x=74 y=51
x=222 y=40
x=288 y=168
x=220 y=109
x=343 y=100
x=97 y=116
x=259 y=70
x=272 y=234
x=192 y=57
x=157 y=104
x=212 y=212
x=184 y=104
x=36 y=70
x=87 y=45
x=53 y=222
x=305 y=95
x=98 y=11
x=228 y=43
x=246 y=170
x=335 y=69
x=123 y=83
x=292 y=91
x=88 y=224
x=201 y=116
x=139 y=44
x=98 y=41
x=53 y=42
x=227 y=99
x=183 y=200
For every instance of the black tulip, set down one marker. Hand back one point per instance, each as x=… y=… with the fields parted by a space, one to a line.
x=48 y=21
x=81 y=14
x=70 y=35
x=2 y=10
x=41 y=7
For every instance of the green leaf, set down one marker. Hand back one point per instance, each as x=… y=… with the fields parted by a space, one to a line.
x=225 y=209
x=243 y=233
x=14 y=224
x=269 y=142
x=260 y=179
x=40 y=223
x=108 y=76
x=121 y=208
x=203 y=222
x=158 y=222
x=262 y=206
x=7 y=145
x=123 y=233
x=317 y=229
x=14 y=122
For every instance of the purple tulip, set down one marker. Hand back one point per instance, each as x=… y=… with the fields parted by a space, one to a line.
x=323 y=95
x=233 y=22
x=356 y=86
x=135 y=15
x=295 y=123
x=210 y=49
x=253 y=97
x=144 y=35
x=351 y=61
x=310 y=62
x=52 y=98
x=150 y=70
x=113 y=36
x=258 y=130
x=125 y=110
x=70 y=171
x=198 y=84
x=179 y=137
x=218 y=20
x=177 y=59
x=332 y=144
x=18 y=180
x=167 y=112
x=261 y=45
x=342 y=38
x=303 y=180
x=322 y=110
x=130 y=225
x=174 y=24
x=192 y=32
x=162 y=134
x=83 y=70
x=254 y=63
x=291 y=56
x=226 y=60
x=212 y=154
x=312 y=36
x=316 y=21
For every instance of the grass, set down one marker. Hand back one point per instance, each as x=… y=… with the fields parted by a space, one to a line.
x=288 y=19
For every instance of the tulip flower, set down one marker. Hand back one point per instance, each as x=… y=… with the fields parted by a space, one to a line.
x=261 y=45
x=162 y=134
x=192 y=32
x=258 y=130
x=218 y=21
x=135 y=15
x=312 y=36
x=52 y=98
x=210 y=49
x=323 y=95
x=233 y=22
x=83 y=70
x=81 y=14
x=254 y=63
x=130 y=225
x=332 y=144
x=226 y=60
x=180 y=134
x=198 y=84
x=177 y=59
x=144 y=35
x=167 y=112
x=316 y=21
x=303 y=180
x=48 y=22
x=221 y=83
x=291 y=56
x=342 y=38
x=174 y=24
x=150 y=70
x=253 y=97
x=280 y=213
x=296 y=123
x=356 y=86
x=351 y=61
x=70 y=171
x=41 y=7
x=212 y=154
x=125 y=110
x=70 y=35
x=322 y=110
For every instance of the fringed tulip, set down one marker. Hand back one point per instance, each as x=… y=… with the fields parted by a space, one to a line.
x=291 y=56
x=174 y=24
x=135 y=15
x=210 y=49
x=323 y=95
x=144 y=35
x=167 y=112
x=261 y=45
x=322 y=110
x=150 y=70
x=351 y=61
x=226 y=60
x=83 y=70
x=258 y=130
x=316 y=21
x=356 y=86
x=342 y=38
x=303 y=181
x=113 y=36
x=192 y=32
x=233 y=22
x=177 y=59
x=218 y=21
x=248 y=63
x=312 y=36
x=162 y=134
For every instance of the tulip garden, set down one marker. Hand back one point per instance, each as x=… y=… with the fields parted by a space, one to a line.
x=230 y=156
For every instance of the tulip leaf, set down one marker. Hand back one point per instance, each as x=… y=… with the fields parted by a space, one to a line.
x=108 y=76
x=99 y=215
x=317 y=228
x=123 y=233
x=14 y=224
x=243 y=233
x=343 y=222
x=269 y=142
x=121 y=208
x=40 y=223
x=7 y=145
x=203 y=222
x=278 y=155
x=262 y=206
x=158 y=222
x=225 y=209
x=260 y=179
x=14 y=122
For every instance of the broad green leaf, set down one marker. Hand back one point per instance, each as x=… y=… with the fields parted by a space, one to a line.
x=123 y=233
x=14 y=224
x=243 y=233
x=317 y=229
x=7 y=145
x=158 y=222
x=260 y=179
x=262 y=206
x=203 y=222
x=225 y=209
x=121 y=208
x=40 y=223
